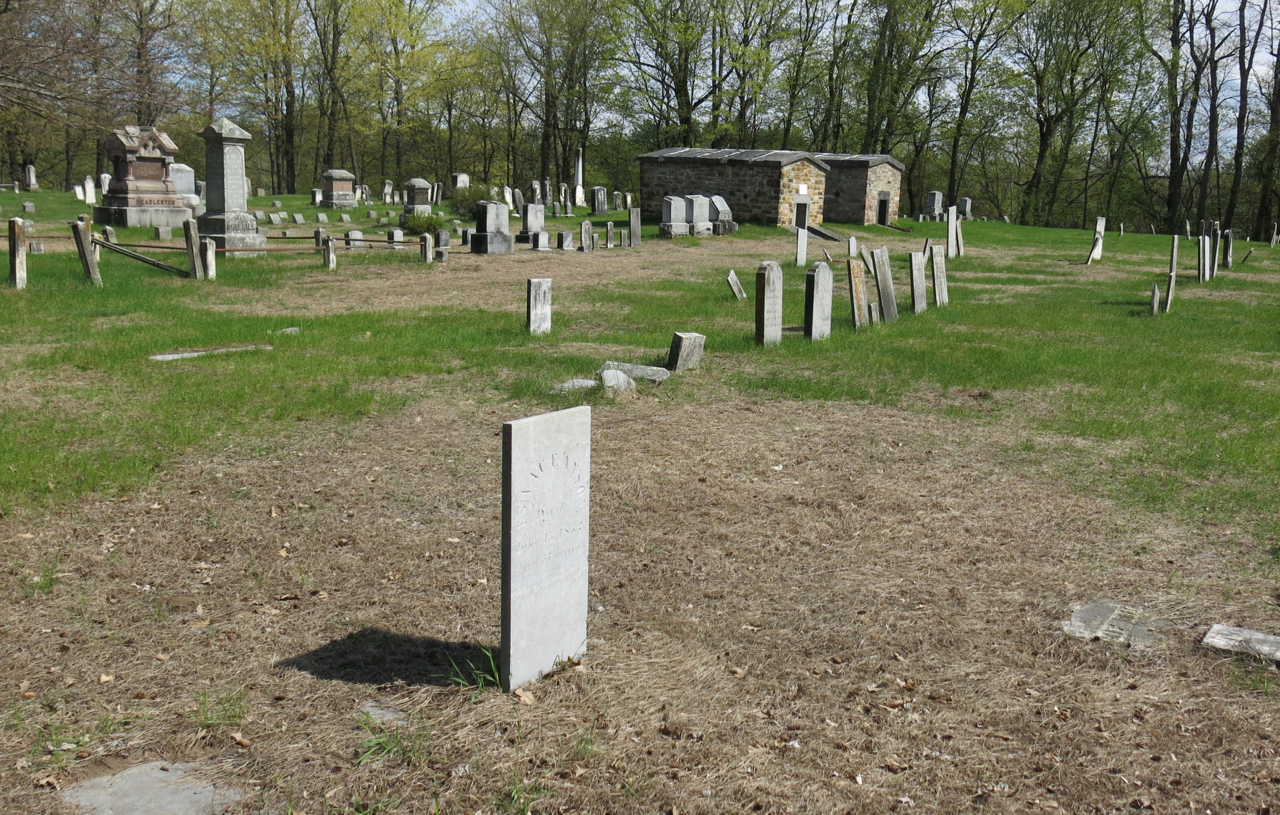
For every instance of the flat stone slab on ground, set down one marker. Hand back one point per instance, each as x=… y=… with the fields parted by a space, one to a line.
x=149 y=790
x=575 y=385
x=650 y=372
x=1111 y=621
x=194 y=354
x=384 y=715
x=1242 y=641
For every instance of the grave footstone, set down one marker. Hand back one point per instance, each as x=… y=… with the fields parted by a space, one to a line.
x=817 y=302
x=686 y=351
x=277 y=204
x=608 y=231
x=17 y=254
x=735 y=285
x=164 y=233
x=769 y=304
x=538 y=305
x=299 y=218
x=650 y=373
x=546 y=505
x=354 y=239
x=919 y=292
x=344 y=218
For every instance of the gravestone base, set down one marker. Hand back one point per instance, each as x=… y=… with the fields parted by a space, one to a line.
x=141 y=216
x=233 y=230
x=724 y=227
x=492 y=243
x=675 y=230
x=700 y=229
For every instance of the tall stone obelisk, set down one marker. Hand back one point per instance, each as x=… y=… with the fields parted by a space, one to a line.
x=227 y=219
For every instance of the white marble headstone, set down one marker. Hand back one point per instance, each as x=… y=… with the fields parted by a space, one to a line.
x=546 y=506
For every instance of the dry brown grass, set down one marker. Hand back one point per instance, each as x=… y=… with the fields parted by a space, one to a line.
x=796 y=607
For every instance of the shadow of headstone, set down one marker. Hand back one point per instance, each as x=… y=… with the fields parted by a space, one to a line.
x=373 y=656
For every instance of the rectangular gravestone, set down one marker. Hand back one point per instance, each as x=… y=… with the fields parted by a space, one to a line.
x=299 y=218
x=735 y=285
x=953 y=237
x=686 y=350
x=322 y=218
x=941 y=297
x=275 y=219
x=17 y=253
x=584 y=239
x=1243 y=641
x=817 y=302
x=1173 y=275
x=259 y=215
x=919 y=290
x=564 y=240
x=769 y=304
x=633 y=216
x=884 y=283
x=538 y=305
x=858 y=293
x=344 y=218
x=546 y=515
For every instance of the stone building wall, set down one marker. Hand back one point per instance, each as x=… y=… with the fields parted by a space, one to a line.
x=760 y=192
x=853 y=192
x=793 y=175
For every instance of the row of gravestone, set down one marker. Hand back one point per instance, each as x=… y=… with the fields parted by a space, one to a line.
x=563 y=205
x=934 y=210
x=818 y=291
x=492 y=233
x=695 y=215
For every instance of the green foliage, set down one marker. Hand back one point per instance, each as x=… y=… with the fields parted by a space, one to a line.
x=384 y=743
x=43 y=581
x=478 y=674
x=224 y=711
x=464 y=200
x=425 y=224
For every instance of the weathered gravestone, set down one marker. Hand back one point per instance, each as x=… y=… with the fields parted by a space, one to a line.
x=90 y=193
x=78 y=191
x=17 y=253
x=769 y=304
x=1243 y=641
x=919 y=291
x=884 y=283
x=29 y=176
x=517 y=199
x=617 y=199
x=585 y=236
x=858 y=293
x=933 y=204
x=354 y=239
x=142 y=193
x=274 y=218
x=493 y=230
x=538 y=305
x=299 y=218
x=460 y=181
x=546 y=506
x=426 y=248
x=608 y=232
x=817 y=302
x=697 y=211
x=1110 y=621
x=686 y=351
x=564 y=240
x=673 y=223
x=633 y=219
x=339 y=189
x=28 y=207
x=1173 y=275
x=599 y=202
x=953 y=232
x=226 y=219
x=938 y=259
x=735 y=285
x=322 y=218
x=965 y=209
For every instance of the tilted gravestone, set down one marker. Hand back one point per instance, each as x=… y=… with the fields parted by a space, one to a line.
x=686 y=351
x=817 y=302
x=736 y=286
x=938 y=254
x=884 y=283
x=538 y=305
x=858 y=294
x=769 y=304
x=546 y=533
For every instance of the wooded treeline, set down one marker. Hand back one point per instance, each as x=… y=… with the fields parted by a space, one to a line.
x=1048 y=111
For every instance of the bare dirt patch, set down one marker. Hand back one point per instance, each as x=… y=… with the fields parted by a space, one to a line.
x=795 y=607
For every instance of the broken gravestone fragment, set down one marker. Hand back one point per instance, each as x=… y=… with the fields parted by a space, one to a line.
x=617 y=380
x=575 y=385
x=1242 y=641
x=650 y=372
x=1111 y=621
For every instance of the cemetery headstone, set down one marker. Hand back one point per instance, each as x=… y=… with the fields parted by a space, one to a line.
x=460 y=181
x=78 y=191
x=29 y=176
x=953 y=239
x=339 y=191
x=493 y=230
x=584 y=237
x=142 y=192
x=209 y=258
x=933 y=203
x=442 y=239
x=317 y=196
x=633 y=219
x=626 y=200
x=546 y=506
x=275 y=219
x=769 y=304
x=722 y=222
x=195 y=261
x=28 y=207
x=608 y=231
x=506 y=196
x=395 y=237
x=617 y=199
x=697 y=211
x=354 y=239
x=884 y=283
x=299 y=218
x=599 y=204
x=17 y=254
x=1155 y=299
x=735 y=285
x=853 y=246
x=344 y=218
x=426 y=248
x=90 y=193
x=387 y=188
x=817 y=302
x=1099 y=232
x=674 y=224
x=226 y=218
x=802 y=246
x=965 y=209
x=259 y=215
x=858 y=293
x=330 y=253
x=564 y=240
x=517 y=199
x=538 y=305
x=938 y=260
x=1243 y=641
x=322 y=218
x=919 y=291
x=1173 y=275
x=555 y=210
x=104 y=181
x=686 y=351
x=579 y=191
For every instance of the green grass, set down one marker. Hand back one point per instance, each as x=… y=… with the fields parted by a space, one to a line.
x=225 y=711
x=383 y=743
x=1176 y=413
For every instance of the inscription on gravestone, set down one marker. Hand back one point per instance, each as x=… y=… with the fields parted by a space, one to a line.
x=546 y=505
